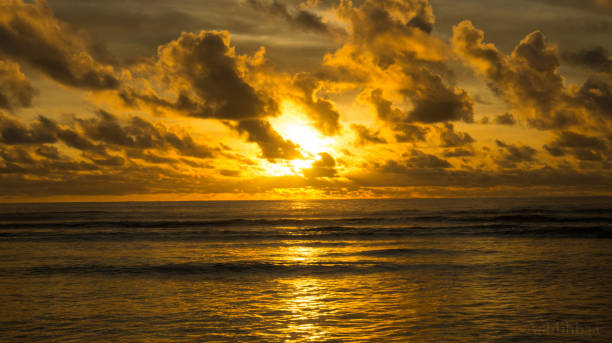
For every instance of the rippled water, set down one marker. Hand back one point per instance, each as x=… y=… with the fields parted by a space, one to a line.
x=504 y=270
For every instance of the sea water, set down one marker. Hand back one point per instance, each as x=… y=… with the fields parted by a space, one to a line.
x=411 y=270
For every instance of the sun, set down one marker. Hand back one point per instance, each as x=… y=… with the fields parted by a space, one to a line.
x=293 y=125
x=304 y=135
x=296 y=127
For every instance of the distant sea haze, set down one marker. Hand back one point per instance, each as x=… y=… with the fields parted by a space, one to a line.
x=422 y=270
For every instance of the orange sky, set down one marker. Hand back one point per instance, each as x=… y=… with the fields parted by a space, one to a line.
x=261 y=99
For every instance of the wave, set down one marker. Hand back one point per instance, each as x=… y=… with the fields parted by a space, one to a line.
x=318 y=223
x=247 y=269
x=336 y=233
x=398 y=252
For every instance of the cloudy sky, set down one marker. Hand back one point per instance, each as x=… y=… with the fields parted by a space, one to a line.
x=269 y=99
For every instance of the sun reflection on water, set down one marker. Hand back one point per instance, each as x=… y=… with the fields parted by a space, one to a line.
x=307 y=310
x=302 y=254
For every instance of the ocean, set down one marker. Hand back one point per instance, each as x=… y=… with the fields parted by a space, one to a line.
x=410 y=270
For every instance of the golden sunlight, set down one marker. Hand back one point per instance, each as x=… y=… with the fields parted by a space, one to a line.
x=284 y=168
x=296 y=127
x=293 y=125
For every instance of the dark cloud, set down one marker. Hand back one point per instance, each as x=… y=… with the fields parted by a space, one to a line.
x=49 y=151
x=141 y=134
x=450 y=138
x=458 y=152
x=325 y=166
x=230 y=173
x=104 y=159
x=366 y=136
x=107 y=129
x=433 y=103
x=273 y=146
x=12 y=132
x=205 y=61
x=157 y=104
x=528 y=79
x=504 y=119
x=398 y=17
x=432 y=111
x=595 y=95
x=94 y=136
x=16 y=155
x=297 y=17
x=422 y=21
x=554 y=150
x=384 y=108
x=512 y=154
x=187 y=146
x=202 y=72
x=420 y=160
x=416 y=159
x=596 y=58
x=436 y=102
x=530 y=82
x=21 y=161
x=68 y=136
x=475 y=182
x=568 y=139
x=130 y=179
x=584 y=148
x=587 y=156
x=410 y=133
x=321 y=110
x=61 y=178
x=30 y=33
x=15 y=89
x=151 y=157
x=468 y=43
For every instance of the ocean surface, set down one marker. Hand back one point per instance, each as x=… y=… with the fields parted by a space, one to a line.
x=435 y=270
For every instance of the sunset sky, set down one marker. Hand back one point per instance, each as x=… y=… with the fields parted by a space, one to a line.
x=273 y=99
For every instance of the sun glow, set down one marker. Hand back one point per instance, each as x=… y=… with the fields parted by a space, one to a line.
x=293 y=167
x=294 y=126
